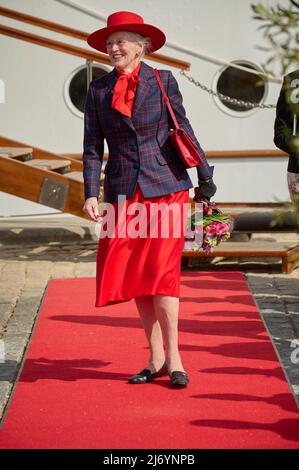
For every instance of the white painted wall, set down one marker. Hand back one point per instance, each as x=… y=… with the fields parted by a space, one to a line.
x=35 y=112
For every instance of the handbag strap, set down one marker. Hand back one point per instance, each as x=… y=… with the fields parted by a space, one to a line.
x=176 y=124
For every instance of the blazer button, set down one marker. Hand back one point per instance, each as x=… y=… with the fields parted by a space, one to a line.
x=133 y=147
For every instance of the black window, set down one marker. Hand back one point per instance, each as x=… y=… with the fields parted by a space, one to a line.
x=78 y=85
x=242 y=85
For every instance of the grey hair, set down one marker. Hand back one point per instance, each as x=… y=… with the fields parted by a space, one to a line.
x=146 y=42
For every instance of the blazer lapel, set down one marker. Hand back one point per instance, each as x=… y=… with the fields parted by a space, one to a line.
x=143 y=88
x=111 y=81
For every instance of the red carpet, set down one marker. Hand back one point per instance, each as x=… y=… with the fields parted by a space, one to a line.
x=73 y=393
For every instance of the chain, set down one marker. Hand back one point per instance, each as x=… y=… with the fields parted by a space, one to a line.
x=228 y=99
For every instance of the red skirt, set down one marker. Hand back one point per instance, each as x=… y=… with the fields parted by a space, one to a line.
x=128 y=267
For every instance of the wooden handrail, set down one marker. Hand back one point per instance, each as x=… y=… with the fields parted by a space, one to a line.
x=263 y=153
x=218 y=154
x=75 y=33
x=19 y=16
x=52 y=44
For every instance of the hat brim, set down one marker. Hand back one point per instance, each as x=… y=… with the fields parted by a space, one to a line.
x=97 y=39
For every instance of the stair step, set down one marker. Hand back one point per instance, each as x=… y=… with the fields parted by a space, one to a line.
x=19 y=153
x=78 y=176
x=61 y=166
x=75 y=175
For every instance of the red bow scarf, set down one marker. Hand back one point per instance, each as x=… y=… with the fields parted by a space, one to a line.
x=124 y=91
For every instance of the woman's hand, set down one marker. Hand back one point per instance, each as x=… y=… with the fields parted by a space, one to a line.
x=91 y=207
x=205 y=190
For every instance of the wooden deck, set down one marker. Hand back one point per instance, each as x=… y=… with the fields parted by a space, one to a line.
x=288 y=252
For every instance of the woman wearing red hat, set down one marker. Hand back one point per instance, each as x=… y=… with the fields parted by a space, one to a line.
x=126 y=108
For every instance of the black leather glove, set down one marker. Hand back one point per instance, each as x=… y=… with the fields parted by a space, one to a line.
x=205 y=190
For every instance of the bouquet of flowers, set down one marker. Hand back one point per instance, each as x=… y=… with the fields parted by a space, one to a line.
x=208 y=226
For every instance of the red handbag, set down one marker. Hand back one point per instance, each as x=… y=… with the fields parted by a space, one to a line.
x=184 y=146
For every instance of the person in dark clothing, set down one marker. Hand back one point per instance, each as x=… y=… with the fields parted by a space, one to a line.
x=286 y=131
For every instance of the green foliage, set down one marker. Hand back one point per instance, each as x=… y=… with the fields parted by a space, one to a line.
x=280 y=30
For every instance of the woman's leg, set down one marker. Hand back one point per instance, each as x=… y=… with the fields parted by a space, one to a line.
x=167 y=312
x=152 y=331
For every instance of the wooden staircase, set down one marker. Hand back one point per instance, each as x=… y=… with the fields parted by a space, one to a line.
x=41 y=176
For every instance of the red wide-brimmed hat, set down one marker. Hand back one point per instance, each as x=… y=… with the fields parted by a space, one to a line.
x=126 y=21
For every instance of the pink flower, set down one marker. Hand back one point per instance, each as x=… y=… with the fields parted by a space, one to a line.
x=211 y=232
x=217 y=228
x=208 y=208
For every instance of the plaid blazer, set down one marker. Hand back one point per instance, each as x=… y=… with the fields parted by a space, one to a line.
x=139 y=148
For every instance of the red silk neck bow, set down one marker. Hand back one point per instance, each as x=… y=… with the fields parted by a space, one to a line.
x=125 y=90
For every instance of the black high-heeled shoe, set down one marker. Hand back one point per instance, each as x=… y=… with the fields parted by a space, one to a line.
x=146 y=375
x=179 y=378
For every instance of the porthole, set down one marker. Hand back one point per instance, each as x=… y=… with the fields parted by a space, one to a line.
x=242 y=85
x=75 y=88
